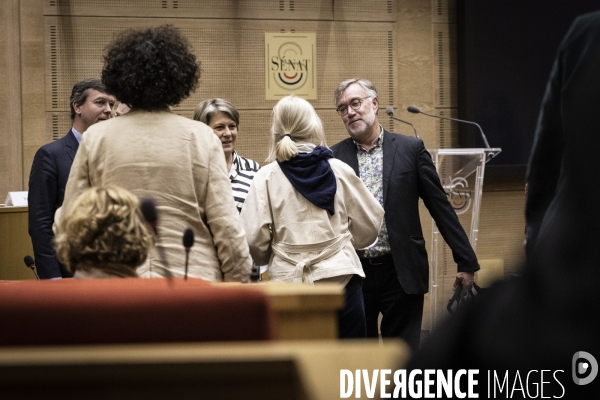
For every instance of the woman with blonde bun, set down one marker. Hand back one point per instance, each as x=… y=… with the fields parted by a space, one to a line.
x=306 y=212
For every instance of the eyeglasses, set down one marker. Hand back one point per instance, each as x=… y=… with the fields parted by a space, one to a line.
x=355 y=104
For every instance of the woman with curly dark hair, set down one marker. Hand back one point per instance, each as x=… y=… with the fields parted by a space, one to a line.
x=150 y=68
x=155 y=153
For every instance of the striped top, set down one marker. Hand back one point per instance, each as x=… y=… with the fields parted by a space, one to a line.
x=241 y=174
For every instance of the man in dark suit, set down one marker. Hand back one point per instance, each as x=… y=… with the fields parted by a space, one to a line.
x=50 y=170
x=398 y=171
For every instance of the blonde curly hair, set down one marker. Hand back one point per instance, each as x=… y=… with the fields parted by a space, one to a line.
x=103 y=228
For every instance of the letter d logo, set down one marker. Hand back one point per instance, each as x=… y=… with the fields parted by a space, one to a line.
x=584 y=364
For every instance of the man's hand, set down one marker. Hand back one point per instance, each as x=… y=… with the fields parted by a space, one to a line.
x=467 y=279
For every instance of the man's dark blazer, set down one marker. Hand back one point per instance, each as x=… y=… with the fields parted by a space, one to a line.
x=409 y=173
x=563 y=174
x=542 y=319
x=47 y=182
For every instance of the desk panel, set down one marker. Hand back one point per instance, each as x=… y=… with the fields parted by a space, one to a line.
x=275 y=370
x=15 y=244
x=302 y=312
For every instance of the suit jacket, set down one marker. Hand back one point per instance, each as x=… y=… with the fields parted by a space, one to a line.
x=563 y=178
x=179 y=163
x=542 y=319
x=47 y=182
x=409 y=173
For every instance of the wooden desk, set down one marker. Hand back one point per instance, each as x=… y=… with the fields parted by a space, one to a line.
x=302 y=312
x=15 y=244
x=275 y=370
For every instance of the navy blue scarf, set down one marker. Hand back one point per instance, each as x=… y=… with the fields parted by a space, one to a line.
x=312 y=176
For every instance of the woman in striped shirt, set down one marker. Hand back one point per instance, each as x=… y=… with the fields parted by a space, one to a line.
x=224 y=119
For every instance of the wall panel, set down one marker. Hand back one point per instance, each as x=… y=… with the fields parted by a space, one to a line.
x=11 y=154
x=205 y=9
x=34 y=133
x=365 y=10
x=231 y=53
x=415 y=67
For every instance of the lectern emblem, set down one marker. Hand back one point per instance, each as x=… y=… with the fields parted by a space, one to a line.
x=459 y=196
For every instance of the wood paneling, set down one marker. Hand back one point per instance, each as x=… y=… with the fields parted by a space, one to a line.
x=445 y=76
x=15 y=244
x=502 y=229
x=365 y=10
x=248 y=370
x=33 y=87
x=231 y=53
x=234 y=71
x=11 y=154
x=443 y=11
x=205 y=9
x=415 y=67
x=302 y=312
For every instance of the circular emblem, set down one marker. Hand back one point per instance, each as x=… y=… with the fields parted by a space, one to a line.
x=459 y=196
x=295 y=74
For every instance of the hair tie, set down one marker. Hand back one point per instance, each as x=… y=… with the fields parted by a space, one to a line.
x=288 y=135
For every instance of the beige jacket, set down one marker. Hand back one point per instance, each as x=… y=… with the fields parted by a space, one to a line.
x=180 y=163
x=302 y=242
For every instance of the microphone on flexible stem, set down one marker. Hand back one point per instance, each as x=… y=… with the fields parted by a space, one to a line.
x=31 y=264
x=390 y=111
x=415 y=110
x=188 y=242
x=148 y=209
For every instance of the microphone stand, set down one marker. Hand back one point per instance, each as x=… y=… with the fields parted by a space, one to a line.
x=390 y=113
x=415 y=110
x=187 y=257
x=30 y=263
x=148 y=209
x=188 y=242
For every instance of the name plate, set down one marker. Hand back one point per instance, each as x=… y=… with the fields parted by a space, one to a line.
x=16 y=199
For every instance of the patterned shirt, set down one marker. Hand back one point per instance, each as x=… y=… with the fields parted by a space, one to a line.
x=241 y=174
x=370 y=169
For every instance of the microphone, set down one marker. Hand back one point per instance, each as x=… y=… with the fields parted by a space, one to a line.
x=31 y=264
x=148 y=208
x=415 y=110
x=390 y=111
x=150 y=213
x=188 y=242
x=255 y=273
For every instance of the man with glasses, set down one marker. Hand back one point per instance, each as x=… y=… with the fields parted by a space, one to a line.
x=398 y=171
